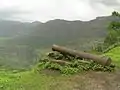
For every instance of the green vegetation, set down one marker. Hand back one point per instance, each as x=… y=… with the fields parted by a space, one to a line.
x=113 y=36
x=38 y=35
x=115 y=55
x=71 y=65
x=36 y=81
x=16 y=57
x=48 y=80
x=113 y=31
x=23 y=49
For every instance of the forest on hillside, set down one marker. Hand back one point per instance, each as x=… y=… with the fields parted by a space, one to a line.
x=29 y=65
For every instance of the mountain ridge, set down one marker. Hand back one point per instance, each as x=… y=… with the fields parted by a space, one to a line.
x=62 y=31
x=58 y=31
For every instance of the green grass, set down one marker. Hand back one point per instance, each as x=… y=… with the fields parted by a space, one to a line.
x=7 y=79
x=32 y=80
x=36 y=81
x=115 y=55
x=3 y=40
x=23 y=81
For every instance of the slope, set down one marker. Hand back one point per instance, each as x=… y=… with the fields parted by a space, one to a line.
x=48 y=80
x=115 y=55
x=64 y=32
x=15 y=28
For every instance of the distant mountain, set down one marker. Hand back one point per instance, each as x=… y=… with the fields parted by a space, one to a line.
x=16 y=36
x=56 y=31
x=62 y=31
x=15 y=28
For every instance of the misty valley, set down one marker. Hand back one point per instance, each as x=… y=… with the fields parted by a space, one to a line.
x=30 y=58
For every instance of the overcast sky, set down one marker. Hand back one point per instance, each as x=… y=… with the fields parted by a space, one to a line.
x=44 y=10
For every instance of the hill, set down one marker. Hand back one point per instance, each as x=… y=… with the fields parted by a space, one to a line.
x=114 y=54
x=57 y=31
x=51 y=80
x=66 y=32
x=15 y=28
x=74 y=34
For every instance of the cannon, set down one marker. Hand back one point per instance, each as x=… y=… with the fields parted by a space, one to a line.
x=106 y=61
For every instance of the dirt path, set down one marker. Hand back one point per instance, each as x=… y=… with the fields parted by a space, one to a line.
x=87 y=81
x=101 y=81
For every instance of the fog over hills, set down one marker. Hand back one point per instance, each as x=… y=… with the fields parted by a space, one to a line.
x=20 y=40
x=58 y=31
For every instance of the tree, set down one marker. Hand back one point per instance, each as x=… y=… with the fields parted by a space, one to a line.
x=113 y=31
x=114 y=13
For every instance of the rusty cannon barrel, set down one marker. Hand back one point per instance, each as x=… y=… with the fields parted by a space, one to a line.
x=100 y=60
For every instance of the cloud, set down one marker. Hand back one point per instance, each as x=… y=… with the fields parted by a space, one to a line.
x=110 y=2
x=9 y=13
x=107 y=2
x=105 y=7
x=43 y=10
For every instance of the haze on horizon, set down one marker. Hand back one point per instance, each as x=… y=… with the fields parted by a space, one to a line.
x=44 y=10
